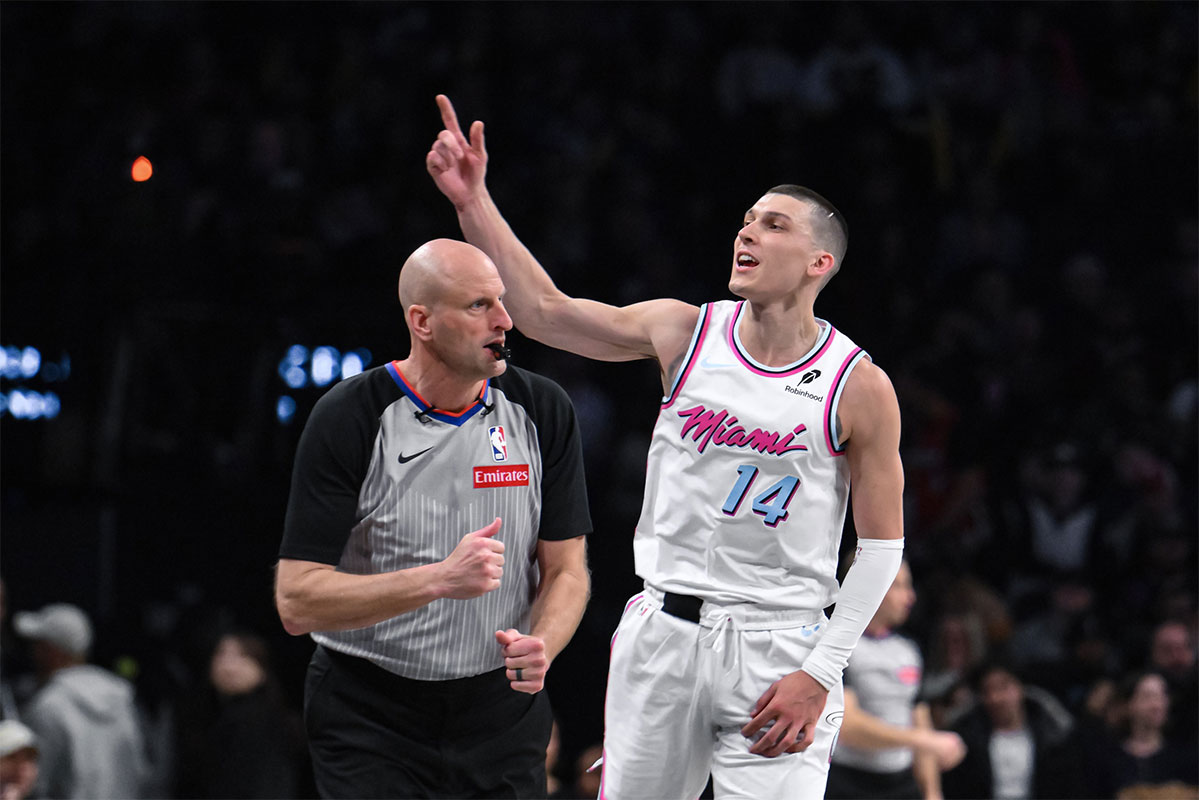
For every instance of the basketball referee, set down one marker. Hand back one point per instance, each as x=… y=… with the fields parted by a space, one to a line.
x=434 y=549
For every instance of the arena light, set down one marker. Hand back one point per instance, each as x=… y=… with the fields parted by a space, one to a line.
x=297 y=354
x=10 y=363
x=142 y=169
x=285 y=409
x=291 y=367
x=24 y=364
x=326 y=362
x=31 y=362
x=321 y=366
x=318 y=367
x=354 y=362
x=29 y=369
x=295 y=377
x=27 y=404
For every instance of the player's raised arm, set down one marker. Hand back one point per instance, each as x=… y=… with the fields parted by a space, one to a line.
x=657 y=329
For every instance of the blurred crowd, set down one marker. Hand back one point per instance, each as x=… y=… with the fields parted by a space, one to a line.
x=1020 y=184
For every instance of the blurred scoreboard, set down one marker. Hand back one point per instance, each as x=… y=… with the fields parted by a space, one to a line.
x=31 y=383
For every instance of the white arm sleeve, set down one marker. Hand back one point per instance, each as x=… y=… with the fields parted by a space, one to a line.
x=867 y=581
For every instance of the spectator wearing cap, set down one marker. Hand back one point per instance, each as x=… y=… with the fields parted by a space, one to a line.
x=89 y=739
x=18 y=760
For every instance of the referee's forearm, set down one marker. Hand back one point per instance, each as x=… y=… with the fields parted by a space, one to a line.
x=924 y=764
x=316 y=597
x=561 y=599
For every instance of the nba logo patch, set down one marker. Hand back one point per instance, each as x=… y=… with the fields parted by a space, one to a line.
x=499 y=446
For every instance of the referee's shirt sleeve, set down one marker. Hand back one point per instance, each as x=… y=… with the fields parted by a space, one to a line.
x=564 y=510
x=331 y=462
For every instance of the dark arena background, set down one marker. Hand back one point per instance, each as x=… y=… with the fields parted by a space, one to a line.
x=1020 y=182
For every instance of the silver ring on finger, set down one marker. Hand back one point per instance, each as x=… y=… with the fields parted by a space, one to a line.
x=519 y=675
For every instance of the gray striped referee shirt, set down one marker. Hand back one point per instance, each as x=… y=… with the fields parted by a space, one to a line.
x=383 y=482
x=886 y=673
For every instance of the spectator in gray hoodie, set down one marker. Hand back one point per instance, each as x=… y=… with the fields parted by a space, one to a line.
x=89 y=738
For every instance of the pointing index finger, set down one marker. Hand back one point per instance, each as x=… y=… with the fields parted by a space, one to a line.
x=448 y=117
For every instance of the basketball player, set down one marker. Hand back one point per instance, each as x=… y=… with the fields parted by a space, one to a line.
x=725 y=662
x=432 y=645
x=888 y=747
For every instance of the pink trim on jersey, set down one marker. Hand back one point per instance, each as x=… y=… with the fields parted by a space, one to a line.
x=833 y=390
x=691 y=357
x=832 y=332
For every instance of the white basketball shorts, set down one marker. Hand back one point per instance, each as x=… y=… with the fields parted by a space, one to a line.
x=680 y=692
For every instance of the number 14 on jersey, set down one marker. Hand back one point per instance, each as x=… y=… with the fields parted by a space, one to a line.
x=771 y=503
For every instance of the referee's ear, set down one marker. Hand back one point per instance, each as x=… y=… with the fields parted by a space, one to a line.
x=417 y=316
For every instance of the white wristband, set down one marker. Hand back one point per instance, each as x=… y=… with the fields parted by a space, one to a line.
x=867 y=581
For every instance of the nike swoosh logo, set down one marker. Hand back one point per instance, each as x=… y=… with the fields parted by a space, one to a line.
x=405 y=459
x=706 y=364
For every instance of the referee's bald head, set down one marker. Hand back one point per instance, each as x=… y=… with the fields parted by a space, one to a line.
x=433 y=267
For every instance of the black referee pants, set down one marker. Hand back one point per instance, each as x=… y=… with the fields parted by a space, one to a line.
x=374 y=734
x=849 y=783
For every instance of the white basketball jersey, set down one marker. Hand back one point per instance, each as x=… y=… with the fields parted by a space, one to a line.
x=746 y=488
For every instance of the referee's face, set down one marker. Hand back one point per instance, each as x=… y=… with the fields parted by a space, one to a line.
x=469 y=321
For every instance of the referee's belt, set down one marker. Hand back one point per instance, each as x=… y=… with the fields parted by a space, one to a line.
x=683 y=606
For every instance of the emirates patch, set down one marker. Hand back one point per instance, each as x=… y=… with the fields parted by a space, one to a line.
x=506 y=475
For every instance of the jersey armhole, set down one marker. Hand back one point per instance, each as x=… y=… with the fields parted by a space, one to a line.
x=697 y=342
x=834 y=399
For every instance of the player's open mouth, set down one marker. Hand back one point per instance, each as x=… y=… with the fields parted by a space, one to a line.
x=746 y=261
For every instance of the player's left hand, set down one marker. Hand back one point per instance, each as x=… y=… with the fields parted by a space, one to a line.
x=786 y=714
x=527 y=654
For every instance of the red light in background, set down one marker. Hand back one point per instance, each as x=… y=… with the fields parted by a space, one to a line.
x=142 y=169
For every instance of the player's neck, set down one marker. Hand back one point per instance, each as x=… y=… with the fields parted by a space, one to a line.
x=778 y=335
x=438 y=386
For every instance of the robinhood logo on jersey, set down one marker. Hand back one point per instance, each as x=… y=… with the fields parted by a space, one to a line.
x=807 y=377
x=507 y=475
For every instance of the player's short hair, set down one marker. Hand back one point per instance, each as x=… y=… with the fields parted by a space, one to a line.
x=829 y=228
